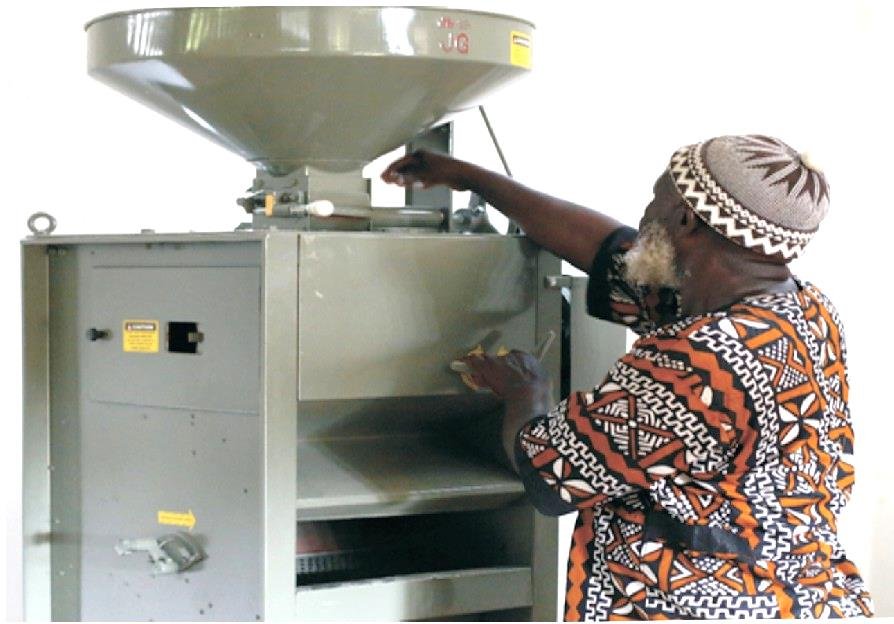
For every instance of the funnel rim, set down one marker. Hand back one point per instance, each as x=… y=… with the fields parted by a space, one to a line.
x=116 y=14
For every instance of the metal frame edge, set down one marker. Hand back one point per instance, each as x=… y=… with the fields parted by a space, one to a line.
x=279 y=409
x=36 y=512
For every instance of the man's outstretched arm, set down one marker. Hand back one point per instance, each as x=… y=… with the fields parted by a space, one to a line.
x=568 y=230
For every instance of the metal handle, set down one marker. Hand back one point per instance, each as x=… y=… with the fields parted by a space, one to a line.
x=36 y=231
x=513 y=226
x=169 y=554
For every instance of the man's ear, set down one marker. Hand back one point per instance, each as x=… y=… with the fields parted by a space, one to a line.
x=687 y=221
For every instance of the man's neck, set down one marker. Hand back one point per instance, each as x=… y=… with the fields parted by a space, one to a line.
x=713 y=285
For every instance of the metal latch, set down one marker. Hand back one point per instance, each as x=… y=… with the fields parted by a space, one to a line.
x=168 y=554
x=94 y=334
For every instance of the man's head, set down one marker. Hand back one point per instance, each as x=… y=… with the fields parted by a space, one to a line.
x=740 y=198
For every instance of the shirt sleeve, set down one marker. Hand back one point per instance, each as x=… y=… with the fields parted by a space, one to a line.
x=610 y=296
x=646 y=423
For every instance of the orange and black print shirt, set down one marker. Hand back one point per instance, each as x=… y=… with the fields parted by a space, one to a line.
x=709 y=468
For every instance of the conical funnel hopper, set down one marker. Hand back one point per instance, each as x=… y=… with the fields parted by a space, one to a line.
x=329 y=87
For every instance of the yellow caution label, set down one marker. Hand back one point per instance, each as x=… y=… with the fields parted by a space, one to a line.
x=174 y=518
x=520 y=49
x=140 y=336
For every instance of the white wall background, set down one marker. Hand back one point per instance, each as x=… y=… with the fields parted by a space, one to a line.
x=616 y=87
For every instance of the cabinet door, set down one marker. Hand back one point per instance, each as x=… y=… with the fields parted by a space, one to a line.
x=170 y=431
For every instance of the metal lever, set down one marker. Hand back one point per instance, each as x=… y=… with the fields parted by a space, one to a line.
x=557 y=282
x=169 y=554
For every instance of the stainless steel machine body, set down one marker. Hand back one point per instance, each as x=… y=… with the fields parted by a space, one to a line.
x=263 y=424
x=324 y=351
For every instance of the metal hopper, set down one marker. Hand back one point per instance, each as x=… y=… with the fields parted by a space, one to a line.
x=327 y=87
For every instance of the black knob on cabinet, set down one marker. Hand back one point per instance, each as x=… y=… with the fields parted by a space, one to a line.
x=94 y=334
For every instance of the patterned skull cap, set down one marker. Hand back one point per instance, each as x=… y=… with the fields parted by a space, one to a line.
x=754 y=190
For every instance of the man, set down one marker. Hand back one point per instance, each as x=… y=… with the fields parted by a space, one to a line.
x=710 y=466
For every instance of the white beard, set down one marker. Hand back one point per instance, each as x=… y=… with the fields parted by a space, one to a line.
x=652 y=260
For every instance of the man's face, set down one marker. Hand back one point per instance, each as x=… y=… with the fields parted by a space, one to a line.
x=652 y=261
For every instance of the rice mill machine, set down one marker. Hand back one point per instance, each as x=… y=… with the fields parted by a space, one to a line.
x=261 y=423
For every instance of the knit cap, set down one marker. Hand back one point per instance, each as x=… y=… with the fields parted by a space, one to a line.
x=754 y=190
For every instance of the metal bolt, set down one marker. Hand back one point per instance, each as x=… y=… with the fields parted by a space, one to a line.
x=94 y=334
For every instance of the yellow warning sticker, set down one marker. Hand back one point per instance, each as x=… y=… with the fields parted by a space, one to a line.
x=520 y=49
x=174 y=518
x=140 y=336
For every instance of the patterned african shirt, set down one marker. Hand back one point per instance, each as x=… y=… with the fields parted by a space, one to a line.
x=709 y=468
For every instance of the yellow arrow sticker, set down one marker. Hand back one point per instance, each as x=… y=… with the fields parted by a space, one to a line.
x=174 y=518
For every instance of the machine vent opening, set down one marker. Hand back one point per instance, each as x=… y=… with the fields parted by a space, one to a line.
x=358 y=549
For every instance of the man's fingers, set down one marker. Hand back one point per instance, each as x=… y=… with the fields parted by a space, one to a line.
x=402 y=171
x=478 y=364
x=397 y=175
x=479 y=360
x=405 y=179
x=488 y=370
x=478 y=381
